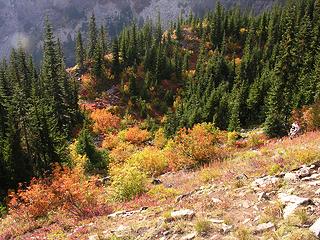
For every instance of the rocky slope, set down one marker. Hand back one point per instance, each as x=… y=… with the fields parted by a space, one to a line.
x=256 y=194
x=22 y=20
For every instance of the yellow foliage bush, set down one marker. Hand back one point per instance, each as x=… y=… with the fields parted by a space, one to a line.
x=104 y=121
x=135 y=135
x=127 y=182
x=77 y=160
x=302 y=156
x=122 y=152
x=162 y=193
x=160 y=139
x=232 y=138
x=150 y=160
x=256 y=138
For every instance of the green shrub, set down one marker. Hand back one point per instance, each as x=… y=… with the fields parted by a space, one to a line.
x=3 y=210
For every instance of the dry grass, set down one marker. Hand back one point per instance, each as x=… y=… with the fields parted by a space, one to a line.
x=202 y=227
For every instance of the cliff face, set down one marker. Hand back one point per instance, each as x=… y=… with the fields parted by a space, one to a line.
x=22 y=20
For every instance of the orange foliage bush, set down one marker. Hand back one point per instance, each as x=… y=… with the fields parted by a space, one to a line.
x=67 y=190
x=194 y=146
x=308 y=117
x=122 y=152
x=87 y=87
x=136 y=135
x=110 y=141
x=104 y=121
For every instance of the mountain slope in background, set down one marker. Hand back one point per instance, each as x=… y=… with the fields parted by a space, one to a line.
x=22 y=20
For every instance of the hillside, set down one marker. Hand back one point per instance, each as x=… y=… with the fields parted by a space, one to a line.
x=22 y=20
x=204 y=129
x=256 y=194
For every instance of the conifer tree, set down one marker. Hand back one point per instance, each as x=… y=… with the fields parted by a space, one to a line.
x=80 y=55
x=115 y=59
x=93 y=36
x=103 y=39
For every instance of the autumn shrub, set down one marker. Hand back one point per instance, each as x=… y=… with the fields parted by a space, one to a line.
x=150 y=160
x=104 y=121
x=232 y=138
x=110 y=141
x=308 y=117
x=160 y=139
x=299 y=156
x=208 y=174
x=127 y=182
x=66 y=189
x=135 y=135
x=311 y=117
x=121 y=153
x=256 y=138
x=88 y=86
x=194 y=146
x=163 y=193
x=76 y=159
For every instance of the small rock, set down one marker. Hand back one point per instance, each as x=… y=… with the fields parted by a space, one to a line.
x=317 y=192
x=285 y=199
x=216 y=221
x=121 y=231
x=216 y=200
x=226 y=228
x=263 y=196
x=183 y=196
x=291 y=177
x=117 y=214
x=246 y=221
x=121 y=228
x=143 y=209
x=93 y=237
x=292 y=202
x=313 y=177
x=156 y=181
x=183 y=214
x=315 y=183
x=256 y=219
x=265 y=181
x=242 y=177
x=264 y=227
x=289 y=209
x=304 y=172
x=315 y=228
x=246 y=204
x=189 y=236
